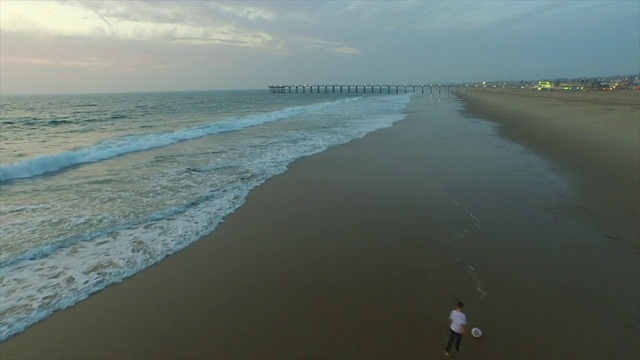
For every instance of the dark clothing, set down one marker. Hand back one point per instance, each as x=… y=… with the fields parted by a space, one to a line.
x=453 y=336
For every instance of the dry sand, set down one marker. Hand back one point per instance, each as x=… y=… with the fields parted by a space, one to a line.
x=594 y=137
x=361 y=251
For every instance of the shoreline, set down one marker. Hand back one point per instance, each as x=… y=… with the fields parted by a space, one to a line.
x=361 y=252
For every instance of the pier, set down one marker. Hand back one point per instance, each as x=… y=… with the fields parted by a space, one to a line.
x=370 y=88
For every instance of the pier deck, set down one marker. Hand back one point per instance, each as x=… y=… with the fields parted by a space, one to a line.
x=380 y=88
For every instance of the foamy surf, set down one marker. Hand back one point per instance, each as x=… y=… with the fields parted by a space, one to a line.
x=110 y=148
x=94 y=225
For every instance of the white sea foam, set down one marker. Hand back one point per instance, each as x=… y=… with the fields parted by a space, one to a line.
x=60 y=275
x=127 y=144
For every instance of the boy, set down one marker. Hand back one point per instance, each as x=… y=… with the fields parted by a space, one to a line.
x=458 y=324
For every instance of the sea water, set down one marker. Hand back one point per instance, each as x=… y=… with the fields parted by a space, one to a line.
x=94 y=188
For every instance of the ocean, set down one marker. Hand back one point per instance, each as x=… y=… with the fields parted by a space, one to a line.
x=95 y=188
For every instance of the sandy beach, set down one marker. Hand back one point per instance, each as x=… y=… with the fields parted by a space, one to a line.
x=360 y=252
x=593 y=137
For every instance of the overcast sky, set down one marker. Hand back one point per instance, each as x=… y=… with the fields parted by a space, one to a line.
x=119 y=46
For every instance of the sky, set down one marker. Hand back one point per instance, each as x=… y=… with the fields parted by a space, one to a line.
x=130 y=46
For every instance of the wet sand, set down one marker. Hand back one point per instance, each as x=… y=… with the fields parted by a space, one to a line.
x=360 y=253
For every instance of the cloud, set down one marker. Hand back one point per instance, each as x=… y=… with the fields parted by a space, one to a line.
x=194 y=23
x=304 y=42
x=245 y=11
x=183 y=44
x=166 y=21
x=346 y=50
x=195 y=13
x=88 y=63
